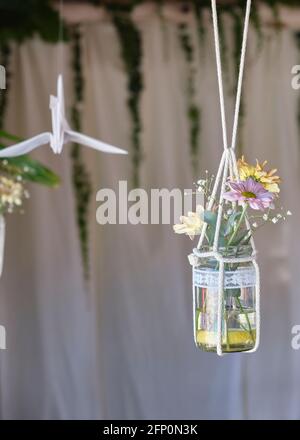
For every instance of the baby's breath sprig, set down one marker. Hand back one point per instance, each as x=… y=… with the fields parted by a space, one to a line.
x=12 y=194
x=269 y=217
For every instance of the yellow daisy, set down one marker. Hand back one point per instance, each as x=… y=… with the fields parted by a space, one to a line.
x=267 y=178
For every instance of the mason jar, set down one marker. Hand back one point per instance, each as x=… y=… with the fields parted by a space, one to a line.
x=238 y=302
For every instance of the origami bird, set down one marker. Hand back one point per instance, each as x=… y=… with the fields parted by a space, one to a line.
x=61 y=133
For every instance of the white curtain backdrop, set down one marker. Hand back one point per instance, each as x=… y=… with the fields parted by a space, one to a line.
x=124 y=348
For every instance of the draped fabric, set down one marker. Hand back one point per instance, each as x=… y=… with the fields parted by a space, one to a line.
x=122 y=348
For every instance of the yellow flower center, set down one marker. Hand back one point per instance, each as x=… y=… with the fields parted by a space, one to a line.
x=249 y=195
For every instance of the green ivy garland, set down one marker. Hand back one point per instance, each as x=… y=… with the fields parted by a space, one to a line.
x=131 y=51
x=80 y=176
x=21 y=19
x=194 y=112
x=198 y=8
x=257 y=25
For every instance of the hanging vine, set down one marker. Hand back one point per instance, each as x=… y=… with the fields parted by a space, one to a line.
x=80 y=177
x=193 y=111
x=199 y=14
x=131 y=52
x=257 y=25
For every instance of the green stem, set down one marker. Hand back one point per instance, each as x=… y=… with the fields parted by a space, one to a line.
x=247 y=318
x=238 y=225
x=227 y=332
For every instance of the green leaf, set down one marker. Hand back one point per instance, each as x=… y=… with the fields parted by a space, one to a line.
x=210 y=218
x=229 y=225
x=29 y=169
x=8 y=136
x=241 y=238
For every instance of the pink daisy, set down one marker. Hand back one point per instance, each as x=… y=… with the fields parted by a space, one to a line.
x=251 y=192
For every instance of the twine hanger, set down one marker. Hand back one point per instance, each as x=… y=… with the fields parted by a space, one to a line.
x=228 y=167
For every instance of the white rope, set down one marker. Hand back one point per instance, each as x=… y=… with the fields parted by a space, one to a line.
x=257 y=308
x=241 y=75
x=219 y=72
x=220 y=208
x=212 y=198
x=220 y=308
x=227 y=165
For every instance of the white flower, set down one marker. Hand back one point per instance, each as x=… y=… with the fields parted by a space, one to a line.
x=265 y=217
x=288 y=213
x=274 y=220
x=192 y=224
x=254 y=225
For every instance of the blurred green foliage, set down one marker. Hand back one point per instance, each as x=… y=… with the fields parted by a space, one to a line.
x=25 y=167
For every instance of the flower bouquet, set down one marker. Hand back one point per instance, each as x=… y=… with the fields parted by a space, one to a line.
x=14 y=173
x=248 y=200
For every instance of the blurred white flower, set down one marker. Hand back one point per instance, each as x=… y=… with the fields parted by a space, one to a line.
x=11 y=194
x=191 y=224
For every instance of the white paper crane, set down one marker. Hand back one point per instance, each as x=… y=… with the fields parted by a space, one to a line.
x=61 y=132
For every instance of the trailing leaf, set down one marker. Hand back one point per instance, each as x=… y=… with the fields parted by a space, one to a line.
x=198 y=8
x=193 y=110
x=257 y=25
x=80 y=176
x=21 y=19
x=132 y=54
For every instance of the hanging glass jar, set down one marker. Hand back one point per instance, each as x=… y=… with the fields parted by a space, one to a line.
x=238 y=310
